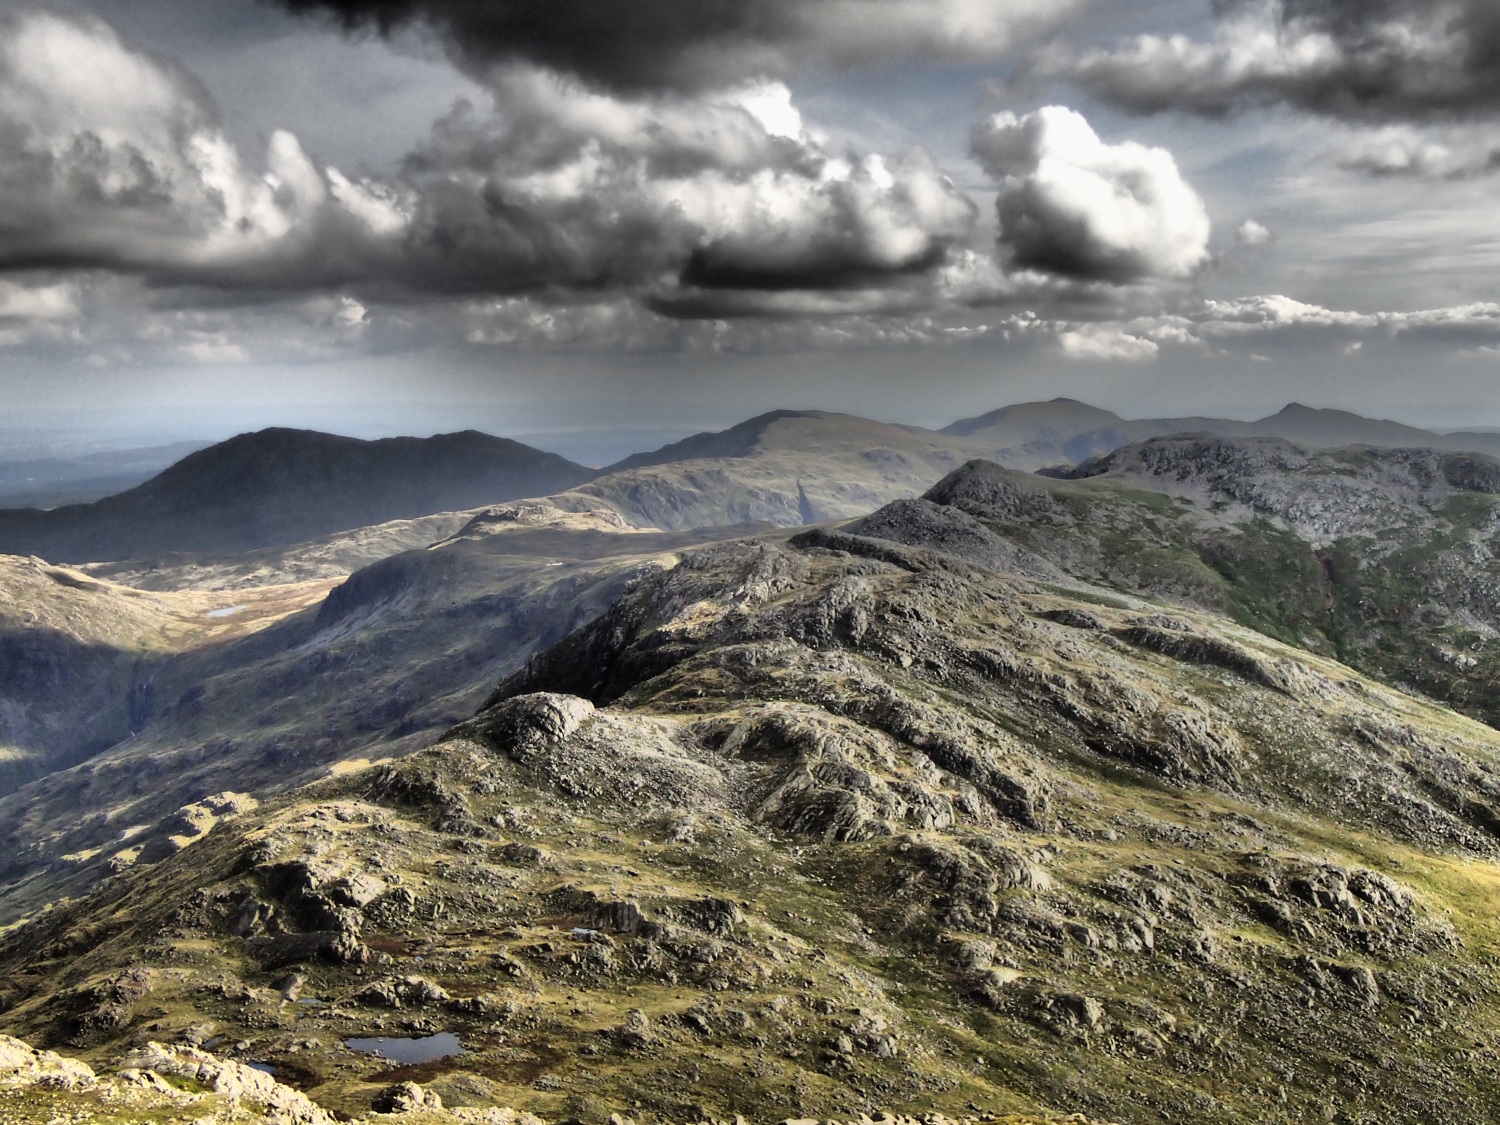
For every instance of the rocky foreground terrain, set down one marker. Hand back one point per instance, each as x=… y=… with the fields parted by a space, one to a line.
x=834 y=826
x=176 y=1085
x=1155 y=788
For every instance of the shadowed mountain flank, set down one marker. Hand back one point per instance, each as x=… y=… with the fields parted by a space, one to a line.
x=283 y=486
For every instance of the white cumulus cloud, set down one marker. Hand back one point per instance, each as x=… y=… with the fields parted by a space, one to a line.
x=1252 y=234
x=1074 y=205
x=1104 y=342
x=113 y=160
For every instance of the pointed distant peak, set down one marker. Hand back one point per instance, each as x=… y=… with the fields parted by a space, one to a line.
x=1300 y=410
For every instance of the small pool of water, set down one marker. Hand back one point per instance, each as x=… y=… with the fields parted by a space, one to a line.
x=228 y=611
x=408 y=1051
x=264 y=1068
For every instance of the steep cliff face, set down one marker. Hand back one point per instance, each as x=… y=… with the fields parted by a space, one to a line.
x=842 y=825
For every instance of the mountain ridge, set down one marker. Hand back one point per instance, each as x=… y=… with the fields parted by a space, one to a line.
x=282 y=485
x=787 y=467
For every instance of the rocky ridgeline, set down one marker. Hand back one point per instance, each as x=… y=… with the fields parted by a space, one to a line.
x=159 y=1083
x=163 y=1084
x=1382 y=558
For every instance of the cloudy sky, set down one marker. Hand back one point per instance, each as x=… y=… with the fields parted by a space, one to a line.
x=599 y=224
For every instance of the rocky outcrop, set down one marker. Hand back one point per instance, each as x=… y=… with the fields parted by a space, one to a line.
x=22 y=1065
x=401 y=992
x=234 y=1082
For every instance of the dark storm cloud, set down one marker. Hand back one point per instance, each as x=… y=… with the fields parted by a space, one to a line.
x=1358 y=60
x=636 y=45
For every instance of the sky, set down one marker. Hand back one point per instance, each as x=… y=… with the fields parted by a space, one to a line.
x=601 y=224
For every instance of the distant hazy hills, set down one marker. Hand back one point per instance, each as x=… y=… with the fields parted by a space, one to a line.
x=787 y=467
x=50 y=482
x=284 y=486
x=1036 y=434
x=791 y=467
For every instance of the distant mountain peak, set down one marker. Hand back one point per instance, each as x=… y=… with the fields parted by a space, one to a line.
x=736 y=441
x=1301 y=410
x=1057 y=418
x=281 y=485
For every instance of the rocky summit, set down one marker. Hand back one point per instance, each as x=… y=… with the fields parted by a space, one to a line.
x=825 y=825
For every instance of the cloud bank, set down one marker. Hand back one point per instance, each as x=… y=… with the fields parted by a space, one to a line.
x=113 y=160
x=1357 y=60
x=685 y=45
x=578 y=208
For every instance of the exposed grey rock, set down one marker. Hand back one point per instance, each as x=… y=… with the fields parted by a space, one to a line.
x=337 y=946
x=19 y=1062
x=406 y=1097
x=401 y=992
x=1084 y=1011
x=234 y=1081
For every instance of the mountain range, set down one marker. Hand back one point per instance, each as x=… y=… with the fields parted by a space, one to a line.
x=281 y=487
x=829 y=823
